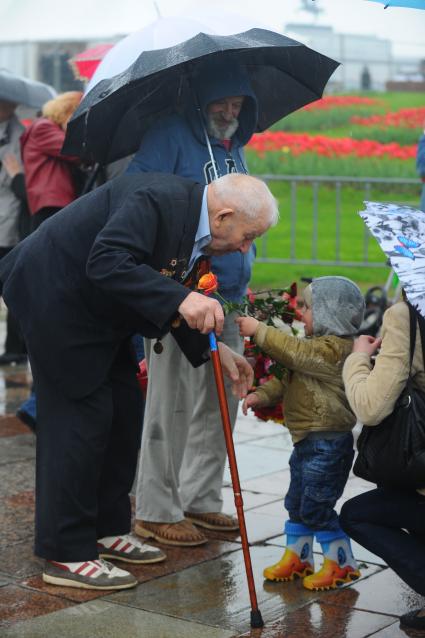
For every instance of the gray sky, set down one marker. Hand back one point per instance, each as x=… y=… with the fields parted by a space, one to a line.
x=86 y=19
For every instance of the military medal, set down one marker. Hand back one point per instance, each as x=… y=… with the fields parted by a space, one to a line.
x=158 y=347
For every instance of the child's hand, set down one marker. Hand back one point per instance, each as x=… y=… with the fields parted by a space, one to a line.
x=247 y=326
x=251 y=401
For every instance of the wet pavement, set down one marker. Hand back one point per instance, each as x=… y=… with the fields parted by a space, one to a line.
x=197 y=592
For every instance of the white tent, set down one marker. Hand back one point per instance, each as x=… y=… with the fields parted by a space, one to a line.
x=77 y=20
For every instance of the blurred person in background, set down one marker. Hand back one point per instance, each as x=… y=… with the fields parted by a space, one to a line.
x=10 y=208
x=52 y=179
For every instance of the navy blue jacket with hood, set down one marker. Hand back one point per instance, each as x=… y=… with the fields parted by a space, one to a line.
x=176 y=144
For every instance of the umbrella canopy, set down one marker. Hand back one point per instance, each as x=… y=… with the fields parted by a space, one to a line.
x=411 y=4
x=400 y=231
x=167 y=32
x=20 y=90
x=84 y=64
x=111 y=119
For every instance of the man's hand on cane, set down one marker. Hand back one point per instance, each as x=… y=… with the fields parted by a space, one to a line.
x=205 y=314
x=202 y=313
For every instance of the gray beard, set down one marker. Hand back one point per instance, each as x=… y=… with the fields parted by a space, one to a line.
x=222 y=133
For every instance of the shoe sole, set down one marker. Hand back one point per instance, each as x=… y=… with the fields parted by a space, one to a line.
x=144 y=533
x=132 y=560
x=67 y=582
x=338 y=582
x=215 y=528
x=293 y=576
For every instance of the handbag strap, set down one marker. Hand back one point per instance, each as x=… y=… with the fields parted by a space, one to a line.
x=416 y=317
x=413 y=319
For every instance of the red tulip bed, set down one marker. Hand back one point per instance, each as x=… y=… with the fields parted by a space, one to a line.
x=341 y=135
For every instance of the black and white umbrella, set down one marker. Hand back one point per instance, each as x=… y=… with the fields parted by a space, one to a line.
x=112 y=118
x=400 y=232
x=20 y=90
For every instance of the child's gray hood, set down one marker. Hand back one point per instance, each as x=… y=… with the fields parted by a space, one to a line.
x=337 y=306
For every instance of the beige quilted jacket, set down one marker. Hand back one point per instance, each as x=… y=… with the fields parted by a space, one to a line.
x=373 y=391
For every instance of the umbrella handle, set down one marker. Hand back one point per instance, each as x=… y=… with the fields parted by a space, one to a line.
x=256 y=619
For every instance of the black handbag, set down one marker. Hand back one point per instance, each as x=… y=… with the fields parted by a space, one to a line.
x=392 y=454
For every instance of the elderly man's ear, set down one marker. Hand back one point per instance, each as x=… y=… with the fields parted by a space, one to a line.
x=220 y=218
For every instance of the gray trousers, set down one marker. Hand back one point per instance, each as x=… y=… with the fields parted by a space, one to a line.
x=183 y=450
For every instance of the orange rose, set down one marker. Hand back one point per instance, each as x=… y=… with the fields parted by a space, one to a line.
x=208 y=283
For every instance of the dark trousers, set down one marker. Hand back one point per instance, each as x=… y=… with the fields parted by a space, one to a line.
x=14 y=343
x=86 y=462
x=391 y=524
x=319 y=471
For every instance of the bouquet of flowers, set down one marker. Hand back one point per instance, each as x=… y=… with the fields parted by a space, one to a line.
x=274 y=307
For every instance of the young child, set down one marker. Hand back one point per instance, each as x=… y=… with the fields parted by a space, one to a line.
x=320 y=421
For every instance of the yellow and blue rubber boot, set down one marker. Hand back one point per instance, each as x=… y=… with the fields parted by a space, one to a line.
x=339 y=565
x=297 y=561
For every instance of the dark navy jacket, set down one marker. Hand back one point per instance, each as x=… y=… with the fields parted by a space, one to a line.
x=90 y=277
x=176 y=144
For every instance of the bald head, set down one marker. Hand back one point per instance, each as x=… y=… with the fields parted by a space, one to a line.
x=240 y=208
x=247 y=195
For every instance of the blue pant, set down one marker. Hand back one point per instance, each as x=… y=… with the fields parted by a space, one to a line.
x=319 y=471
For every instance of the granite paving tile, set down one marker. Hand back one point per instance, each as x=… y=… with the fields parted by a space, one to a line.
x=17 y=448
x=270 y=483
x=320 y=620
x=251 y=425
x=18 y=560
x=384 y=592
x=16 y=477
x=251 y=500
x=260 y=526
x=69 y=593
x=17 y=603
x=281 y=441
x=216 y=592
x=253 y=463
x=99 y=619
x=12 y=395
x=10 y=426
x=179 y=558
x=395 y=631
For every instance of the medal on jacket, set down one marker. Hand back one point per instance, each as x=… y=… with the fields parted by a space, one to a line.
x=158 y=347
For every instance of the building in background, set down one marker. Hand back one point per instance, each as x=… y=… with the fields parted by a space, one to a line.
x=367 y=62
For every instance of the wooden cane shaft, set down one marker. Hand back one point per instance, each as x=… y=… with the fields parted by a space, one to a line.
x=227 y=429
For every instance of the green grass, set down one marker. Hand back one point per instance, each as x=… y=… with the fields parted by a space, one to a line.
x=336 y=124
x=352 y=236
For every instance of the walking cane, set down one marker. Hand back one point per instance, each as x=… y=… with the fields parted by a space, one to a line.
x=256 y=619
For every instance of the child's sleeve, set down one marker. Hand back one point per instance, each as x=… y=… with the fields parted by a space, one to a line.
x=316 y=356
x=271 y=393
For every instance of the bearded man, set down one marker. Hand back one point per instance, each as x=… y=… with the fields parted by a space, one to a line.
x=183 y=449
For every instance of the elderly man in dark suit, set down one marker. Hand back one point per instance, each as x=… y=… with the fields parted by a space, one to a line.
x=109 y=265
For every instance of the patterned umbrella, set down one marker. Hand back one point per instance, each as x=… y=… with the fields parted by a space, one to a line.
x=84 y=64
x=400 y=231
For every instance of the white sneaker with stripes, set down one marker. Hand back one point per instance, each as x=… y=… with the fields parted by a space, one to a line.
x=90 y=574
x=129 y=549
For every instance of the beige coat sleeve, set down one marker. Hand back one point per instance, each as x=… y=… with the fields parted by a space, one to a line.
x=373 y=392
